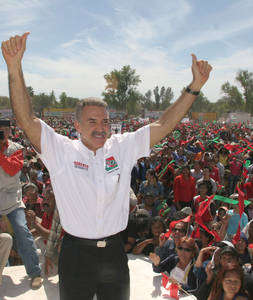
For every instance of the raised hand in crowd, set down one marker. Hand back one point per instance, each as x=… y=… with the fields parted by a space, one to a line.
x=162 y=239
x=155 y=259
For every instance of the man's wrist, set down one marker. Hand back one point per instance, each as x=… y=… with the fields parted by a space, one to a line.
x=14 y=67
x=192 y=92
x=195 y=86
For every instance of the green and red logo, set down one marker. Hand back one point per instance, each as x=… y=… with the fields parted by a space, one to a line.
x=111 y=164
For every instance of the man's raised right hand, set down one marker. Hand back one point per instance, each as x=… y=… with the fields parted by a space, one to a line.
x=13 y=49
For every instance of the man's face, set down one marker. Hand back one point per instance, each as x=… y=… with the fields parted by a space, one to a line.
x=178 y=231
x=93 y=127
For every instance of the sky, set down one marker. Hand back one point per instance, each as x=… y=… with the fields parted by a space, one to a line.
x=73 y=44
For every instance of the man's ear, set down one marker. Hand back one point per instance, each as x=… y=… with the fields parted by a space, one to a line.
x=77 y=126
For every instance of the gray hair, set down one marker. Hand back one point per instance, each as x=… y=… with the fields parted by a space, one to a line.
x=90 y=101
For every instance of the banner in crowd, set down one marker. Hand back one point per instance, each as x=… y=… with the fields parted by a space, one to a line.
x=5 y=113
x=116 y=128
x=59 y=112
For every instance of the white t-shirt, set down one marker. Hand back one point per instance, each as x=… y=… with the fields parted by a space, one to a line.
x=179 y=274
x=92 y=191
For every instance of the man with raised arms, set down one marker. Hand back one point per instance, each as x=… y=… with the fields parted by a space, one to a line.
x=91 y=179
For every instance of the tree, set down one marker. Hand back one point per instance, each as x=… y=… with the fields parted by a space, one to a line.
x=221 y=107
x=5 y=102
x=158 y=95
x=166 y=98
x=121 y=88
x=53 y=99
x=71 y=102
x=41 y=101
x=232 y=97
x=63 y=100
x=30 y=91
x=146 y=100
x=245 y=78
x=201 y=104
x=162 y=97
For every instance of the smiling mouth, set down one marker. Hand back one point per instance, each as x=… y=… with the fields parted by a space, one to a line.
x=98 y=135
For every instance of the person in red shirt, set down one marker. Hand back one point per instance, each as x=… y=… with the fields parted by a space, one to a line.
x=214 y=171
x=235 y=167
x=202 y=190
x=184 y=188
x=248 y=187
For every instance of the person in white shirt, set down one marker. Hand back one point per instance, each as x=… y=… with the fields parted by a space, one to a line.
x=91 y=179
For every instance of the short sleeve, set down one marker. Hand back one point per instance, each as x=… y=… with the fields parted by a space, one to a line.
x=52 y=147
x=135 y=145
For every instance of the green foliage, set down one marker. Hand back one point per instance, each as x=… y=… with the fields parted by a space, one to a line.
x=4 y=102
x=41 y=101
x=121 y=91
x=162 y=97
x=232 y=97
x=245 y=78
x=67 y=102
x=201 y=104
x=146 y=100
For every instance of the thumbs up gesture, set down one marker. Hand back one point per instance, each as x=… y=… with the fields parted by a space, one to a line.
x=200 y=71
x=13 y=49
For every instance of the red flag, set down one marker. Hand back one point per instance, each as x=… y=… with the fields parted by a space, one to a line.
x=165 y=280
x=241 y=201
x=199 y=220
x=241 y=210
x=196 y=233
x=236 y=237
x=173 y=288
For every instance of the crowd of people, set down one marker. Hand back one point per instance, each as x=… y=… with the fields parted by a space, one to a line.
x=191 y=207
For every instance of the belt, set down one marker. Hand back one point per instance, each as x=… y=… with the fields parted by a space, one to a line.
x=100 y=243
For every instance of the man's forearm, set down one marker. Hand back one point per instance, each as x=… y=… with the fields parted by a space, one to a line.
x=177 y=110
x=20 y=99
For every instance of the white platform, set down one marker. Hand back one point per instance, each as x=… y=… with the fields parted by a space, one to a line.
x=144 y=283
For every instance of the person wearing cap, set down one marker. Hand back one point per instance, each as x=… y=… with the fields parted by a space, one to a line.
x=150 y=204
x=11 y=204
x=91 y=179
x=32 y=200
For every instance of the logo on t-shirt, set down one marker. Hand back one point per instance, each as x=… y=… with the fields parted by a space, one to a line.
x=111 y=164
x=79 y=165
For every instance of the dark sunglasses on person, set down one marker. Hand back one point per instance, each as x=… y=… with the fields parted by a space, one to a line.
x=184 y=249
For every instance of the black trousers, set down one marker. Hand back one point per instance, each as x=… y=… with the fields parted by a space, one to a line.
x=86 y=270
